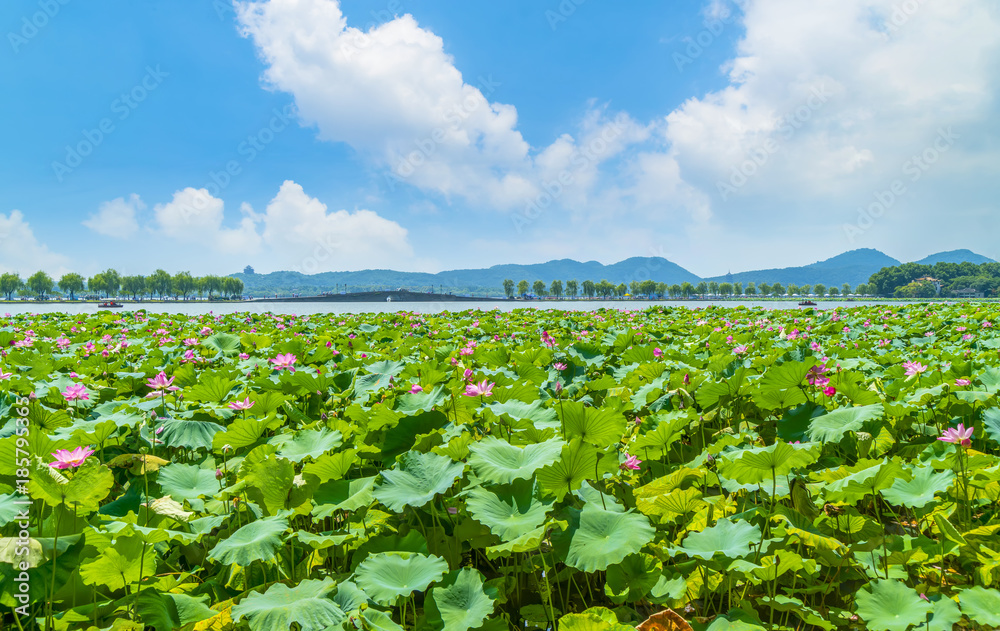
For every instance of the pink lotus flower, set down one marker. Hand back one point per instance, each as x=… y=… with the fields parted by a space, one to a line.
x=76 y=391
x=484 y=389
x=657 y=352
x=284 y=361
x=914 y=368
x=963 y=382
x=631 y=462
x=560 y=366
x=161 y=382
x=467 y=374
x=829 y=391
x=65 y=459
x=416 y=389
x=547 y=339
x=740 y=350
x=239 y=406
x=63 y=342
x=205 y=331
x=5 y=375
x=957 y=435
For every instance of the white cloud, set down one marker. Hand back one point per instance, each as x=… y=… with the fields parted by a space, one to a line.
x=300 y=234
x=21 y=252
x=117 y=218
x=195 y=216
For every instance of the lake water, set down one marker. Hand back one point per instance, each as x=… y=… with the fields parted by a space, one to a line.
x=303 y=308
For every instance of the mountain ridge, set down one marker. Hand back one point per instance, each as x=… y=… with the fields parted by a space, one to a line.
x=854 y=267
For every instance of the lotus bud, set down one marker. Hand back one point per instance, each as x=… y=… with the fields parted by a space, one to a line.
x=218 y=474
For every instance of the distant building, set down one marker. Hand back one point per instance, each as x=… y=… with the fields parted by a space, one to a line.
x=248 y=270
x=968 y=292
x=933 y=281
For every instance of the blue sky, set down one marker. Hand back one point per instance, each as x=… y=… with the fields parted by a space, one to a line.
x=413 y=134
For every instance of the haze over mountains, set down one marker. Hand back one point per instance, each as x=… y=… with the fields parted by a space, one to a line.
x=854 y=267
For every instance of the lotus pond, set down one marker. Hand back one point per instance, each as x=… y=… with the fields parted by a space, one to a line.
x=744 y=469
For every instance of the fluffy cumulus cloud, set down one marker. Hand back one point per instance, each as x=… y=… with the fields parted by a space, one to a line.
x=301 y=232
x=117 y=218
x=19 y=247
x=195 y=216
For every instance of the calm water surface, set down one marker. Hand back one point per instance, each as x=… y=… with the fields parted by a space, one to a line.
x=303 y=308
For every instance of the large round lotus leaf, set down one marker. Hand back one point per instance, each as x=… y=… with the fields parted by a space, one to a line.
x=981 y=605
x=124 y=562
x=348 y=495
x=598 y=538
x=416 y=479
x=257 y=541
x=498 y=462
x=919 y=491
x=508 y=511
x=268 y=477
x=387 y=576
x=187 y=481
x=310 y=444
x=728 y=538
x=306 y=604
x=224 y=343
x=832 y=426
x=753 y=466
x=459 y=602
x=891 y=606
x=189 y=434
x=633 y=577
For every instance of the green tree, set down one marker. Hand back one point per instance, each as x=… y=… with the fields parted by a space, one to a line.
x=713 y=288
x=605 y=289
x=793 y=289
x=572 y=288
x=726 y=289
x=701 y=289
x=764 y=289
x=819 y=289
x=71 y=283
x=183 y=284
x=738 y=289
x=522 y=288
x=621 y=290
x=648 y=287
x=135 y=285
x=589 y=288
x=539 y=288
x=508 y=288
x=687 y=289
x=40 y=283
x=675 y=290
x=232 y=286
x=112 y=281
x=807 y=289
x=845 y=289
x=212 y=284
x=834 y=291
x=777 y=290
x=556 y=288
x=159 y=282
x=9 y=283
x=96 y=284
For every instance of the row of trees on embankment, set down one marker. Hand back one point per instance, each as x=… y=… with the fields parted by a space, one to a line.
x=653 y=290
x=111 y=284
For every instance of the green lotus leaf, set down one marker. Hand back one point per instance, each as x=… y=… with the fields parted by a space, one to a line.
x=981 y=605
x=416 y=479
x=126 y=561
x=343 y=495
x=498 y=462
x=211 y=388
x=832 y=426
x=388 y=576
x=268 y=478
x=919 y=491
x=307 y=605
x=189 y=434
x=577 y=463
x=632 y=579
x=598 y=538
x=754 y=466
x=223 y=343
x=459 y=602
x=187 y=481
x=310 y=444
x=891 y=606
x=171 y=611
x=257 y=541
x=865 y=480
x=731 y=539
x=508 y=511
x=597 y=426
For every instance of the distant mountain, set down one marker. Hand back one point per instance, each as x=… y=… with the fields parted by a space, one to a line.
x=955 y=256
x=468 y=281
x=854 y=267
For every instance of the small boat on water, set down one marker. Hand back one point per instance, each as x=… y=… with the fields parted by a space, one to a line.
x=807 y=303
x=110 y=304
